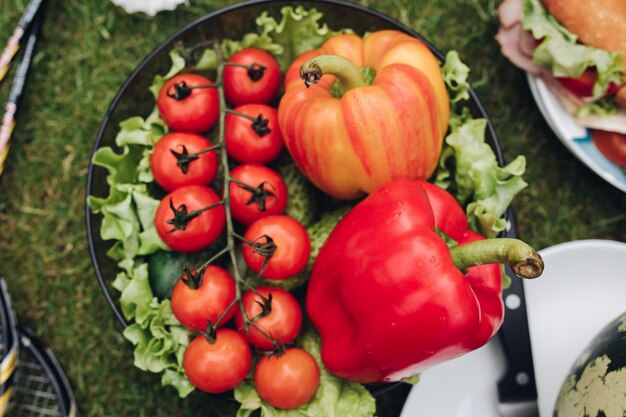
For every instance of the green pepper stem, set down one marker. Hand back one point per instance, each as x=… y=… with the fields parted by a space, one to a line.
x=524 y=261
x=347 y=73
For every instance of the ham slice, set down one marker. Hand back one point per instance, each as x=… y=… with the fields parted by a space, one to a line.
x=514 y=45
x=510 y=12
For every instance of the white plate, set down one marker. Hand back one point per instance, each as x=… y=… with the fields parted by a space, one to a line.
x=581 y=290
x=575 y=138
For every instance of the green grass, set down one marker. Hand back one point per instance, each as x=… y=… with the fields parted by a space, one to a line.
x=86 y=52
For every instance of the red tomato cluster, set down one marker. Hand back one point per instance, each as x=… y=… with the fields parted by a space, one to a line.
x=193 y=216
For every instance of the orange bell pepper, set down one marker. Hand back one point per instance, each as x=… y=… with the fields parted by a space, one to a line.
x=373 y=133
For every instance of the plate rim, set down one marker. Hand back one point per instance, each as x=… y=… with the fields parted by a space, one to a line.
x=569 y=142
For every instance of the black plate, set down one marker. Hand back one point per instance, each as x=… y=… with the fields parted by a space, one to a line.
x=232 y=22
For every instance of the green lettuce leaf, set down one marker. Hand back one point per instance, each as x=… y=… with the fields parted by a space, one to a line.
x=603 y=107
x=127 y=215
x=455 y=74
x=157 y=336
x=468 y=167
x=335 y=397
x=560 y=52
x=128 y=210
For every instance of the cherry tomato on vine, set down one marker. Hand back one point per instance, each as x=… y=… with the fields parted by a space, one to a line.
x=612 y=145
x=190 y=218
x=178 y=160
x=257 y=192
x=288 y=380
x=251 y=76
x=218 y=366
x=282 y=240
x=187 y=104
x=200 y=299
x=281 y=316
x=258 y=140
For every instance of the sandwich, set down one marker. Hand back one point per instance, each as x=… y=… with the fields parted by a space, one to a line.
x=578 y=48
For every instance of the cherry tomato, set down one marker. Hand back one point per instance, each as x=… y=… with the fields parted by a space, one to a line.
x=583 y=86
x=184 y=220
x=251 y=76
x=292 y=246
x=258 y=140
x=612 y=145
x=186 y=110
x=282 y=321
x=219 y=366
x=287 y=381
x=198 y=300
x=174 y=165
x=258 y=192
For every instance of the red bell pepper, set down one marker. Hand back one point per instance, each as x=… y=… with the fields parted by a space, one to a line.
x=389 y=296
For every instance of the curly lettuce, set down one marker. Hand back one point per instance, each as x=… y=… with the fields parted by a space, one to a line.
x=128 y=210
x=468 y=166
x=159 y=339
x=455 y=74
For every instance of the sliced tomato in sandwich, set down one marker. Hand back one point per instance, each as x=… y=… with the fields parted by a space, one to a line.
x=583 y=85
x=611 y=144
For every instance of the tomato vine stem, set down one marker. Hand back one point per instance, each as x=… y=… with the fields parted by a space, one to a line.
x=231 y=235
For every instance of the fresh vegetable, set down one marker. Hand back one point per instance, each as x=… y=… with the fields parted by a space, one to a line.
x=612 y=145
x=251 y=76
x=583 y=85
x=188 y=103
x=318 y=233
x=277 y=247
x=252 y=134
x=257 y=192
x=217 y=363
x=190 y=218
x=277 y=314
x=390 y=129
x=288 y=380
x=335 y=397
x=204 y=297
x=388 y=295
x=468 y=168
x=596 y=384
x=183 y=158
